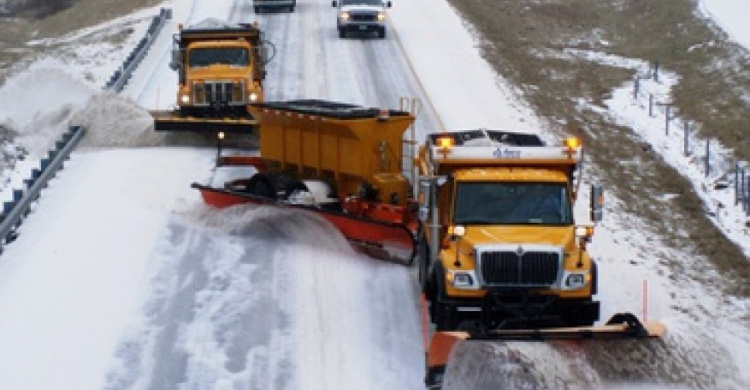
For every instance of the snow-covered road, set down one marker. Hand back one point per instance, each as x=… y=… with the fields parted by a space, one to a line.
x=200 y=298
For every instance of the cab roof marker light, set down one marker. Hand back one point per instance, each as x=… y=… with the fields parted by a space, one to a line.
x=572 y=142
x=445 y=142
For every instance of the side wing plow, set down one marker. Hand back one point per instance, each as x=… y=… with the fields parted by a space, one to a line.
x=386 y=241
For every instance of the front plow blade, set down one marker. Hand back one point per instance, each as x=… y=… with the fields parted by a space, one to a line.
x=172 y=121
x=620 y=326
x=386 y=241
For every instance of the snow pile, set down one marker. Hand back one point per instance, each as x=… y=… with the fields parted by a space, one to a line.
x=36 y=102
x=518 y=365
x=258 y=299
x=676 y=362
x=114 y=121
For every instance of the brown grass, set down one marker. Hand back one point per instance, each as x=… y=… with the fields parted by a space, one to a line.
x=17 y=32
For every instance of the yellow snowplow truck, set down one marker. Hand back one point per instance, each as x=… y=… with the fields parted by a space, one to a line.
x=220 y=73
x=498 y=247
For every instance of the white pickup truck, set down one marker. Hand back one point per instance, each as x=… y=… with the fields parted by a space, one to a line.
x=361 y=16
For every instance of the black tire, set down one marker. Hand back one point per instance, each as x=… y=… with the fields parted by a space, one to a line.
x=594 y=278
x=262 y=185
x=257 y=10
x=423 y=262
x=381 y=33
x=274 y=185
x=574 y=316
x=440 y=313
x=342 y=33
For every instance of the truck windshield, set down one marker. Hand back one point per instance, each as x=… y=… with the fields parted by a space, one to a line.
x=512 y=203
x=200 y=58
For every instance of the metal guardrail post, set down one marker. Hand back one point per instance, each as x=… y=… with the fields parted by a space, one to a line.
x=19 y=207
x=122 y=75
x=14 y=211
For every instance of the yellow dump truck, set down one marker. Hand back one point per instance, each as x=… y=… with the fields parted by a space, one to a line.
x=220 y=73
x=498 y=244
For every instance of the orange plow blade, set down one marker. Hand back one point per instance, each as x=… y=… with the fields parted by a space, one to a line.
x=387 y=241
x=620 y=326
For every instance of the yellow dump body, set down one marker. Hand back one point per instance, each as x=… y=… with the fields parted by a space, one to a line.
x=344 y=144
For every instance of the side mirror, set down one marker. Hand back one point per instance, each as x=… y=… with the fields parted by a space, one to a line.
x=423 y=198
x=388 y=4
x=425 y=188
x=423 y=214
x=175 y=62
x=334 y=3
x=597 y=203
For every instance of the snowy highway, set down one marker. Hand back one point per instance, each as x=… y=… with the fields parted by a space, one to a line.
x=202 y=299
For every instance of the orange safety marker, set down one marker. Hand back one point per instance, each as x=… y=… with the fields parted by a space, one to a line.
x=645 y=300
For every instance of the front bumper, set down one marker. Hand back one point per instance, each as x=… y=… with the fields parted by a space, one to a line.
x=522 y=310
x=361 y=27
x=274 y=3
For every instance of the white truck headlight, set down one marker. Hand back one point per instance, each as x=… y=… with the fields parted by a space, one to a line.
x=381 y=17
x=185 y=99
x=463 y=280
x=253 y=97
x=575 y=281
x=344 y=16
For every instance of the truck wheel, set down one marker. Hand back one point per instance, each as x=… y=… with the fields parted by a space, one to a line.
x=262 y=185
x=594 y=278
x=423 y=259
x=575 y=315
x=440 y=313
x=342 y=33
x=381 y=33
x=257 y=10
x=274 y=185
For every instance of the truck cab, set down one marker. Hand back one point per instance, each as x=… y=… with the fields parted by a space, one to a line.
x=361 y=16
x=498 y=244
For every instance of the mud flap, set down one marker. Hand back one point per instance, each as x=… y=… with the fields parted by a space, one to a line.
x=386 y=241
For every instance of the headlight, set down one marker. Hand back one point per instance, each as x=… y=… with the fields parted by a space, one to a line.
x=462 y=279
x=253 y=96
x=574 y=281
x=344 y=16
x=381 y=17
x=185 y=99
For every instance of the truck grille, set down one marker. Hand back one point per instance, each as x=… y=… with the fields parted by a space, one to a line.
x=364 y=17
x=519 y=268
x=212 y=92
